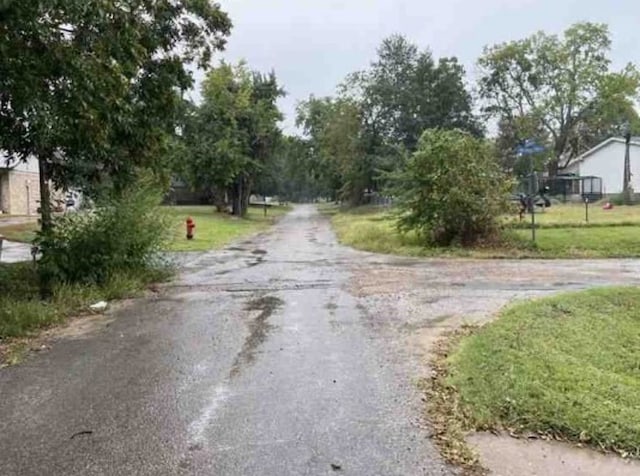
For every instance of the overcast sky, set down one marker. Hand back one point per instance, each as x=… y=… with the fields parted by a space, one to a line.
x=313 y=44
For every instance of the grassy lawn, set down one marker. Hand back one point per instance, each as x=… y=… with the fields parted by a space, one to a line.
x=574 y=215
x=567 y=366
x=611 y=235
x=23 y=232
x=215 y=230
x=583 y=242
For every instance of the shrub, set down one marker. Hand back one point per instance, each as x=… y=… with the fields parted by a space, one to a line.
x=121 y=235
x=452 y=190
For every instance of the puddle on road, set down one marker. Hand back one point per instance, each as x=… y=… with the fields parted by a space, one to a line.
x=258 y=331
x=258 y=252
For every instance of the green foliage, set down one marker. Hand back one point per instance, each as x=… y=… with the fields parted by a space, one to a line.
x=230 y=140
x=22 y=312
x=368 y=130
x=334 y=127
x=293 y=174
x=618 y=199
x=406 y=91
x=122 y=234
x=565 y=366
x=452 y=190
x=215 y=152
x=91 y=88
x=559 y=90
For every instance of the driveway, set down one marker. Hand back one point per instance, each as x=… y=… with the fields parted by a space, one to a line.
x=286 y=354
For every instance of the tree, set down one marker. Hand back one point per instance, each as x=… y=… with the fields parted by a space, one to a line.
x=452 y=190
x=292 y=173
x=232 y=136
x=334 y=129
x=564 y=84
x=91 y=87
x=405 y=91
x=216 y=148
x=262 y=134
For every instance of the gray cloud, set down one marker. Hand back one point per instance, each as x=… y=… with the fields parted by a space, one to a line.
x=312 y=45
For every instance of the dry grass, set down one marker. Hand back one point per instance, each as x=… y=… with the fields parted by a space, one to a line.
x=450 y=424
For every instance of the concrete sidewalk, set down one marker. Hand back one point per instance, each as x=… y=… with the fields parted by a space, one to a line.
x=13 y=252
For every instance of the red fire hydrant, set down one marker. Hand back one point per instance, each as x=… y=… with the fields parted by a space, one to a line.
x=190 y=227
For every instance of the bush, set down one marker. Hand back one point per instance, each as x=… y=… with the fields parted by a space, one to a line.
x=120 y=236
x=452 y=190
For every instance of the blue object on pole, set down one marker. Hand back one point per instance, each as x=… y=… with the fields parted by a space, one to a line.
x=529 y=147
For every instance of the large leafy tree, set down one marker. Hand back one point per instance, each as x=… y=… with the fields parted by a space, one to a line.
x=406 y=91
x=231 y=138
x=91 y=87
x=565 y=84
x=334 y=131
x=216 y=147
x=262 y=134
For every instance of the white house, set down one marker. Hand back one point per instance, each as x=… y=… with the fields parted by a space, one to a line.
x=606 y=160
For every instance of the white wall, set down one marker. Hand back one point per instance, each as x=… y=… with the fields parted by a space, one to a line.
x=608 y=163
x=31 y=165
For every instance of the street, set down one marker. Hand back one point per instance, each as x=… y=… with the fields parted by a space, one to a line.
x=285 y=354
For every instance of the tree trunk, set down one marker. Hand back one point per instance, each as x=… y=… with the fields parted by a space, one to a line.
x=246 y=194
x=46 y=222
x=553 y=167
x=236 y=198
x=219 y=199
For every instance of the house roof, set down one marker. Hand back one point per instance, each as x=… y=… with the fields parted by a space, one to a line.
x=635 y=141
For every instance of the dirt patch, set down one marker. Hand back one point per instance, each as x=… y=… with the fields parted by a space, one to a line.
x=385 y=280
x=259 y=328
x=80 y=327
x=506 y=456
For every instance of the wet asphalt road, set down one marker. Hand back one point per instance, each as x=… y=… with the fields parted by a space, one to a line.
x=287 y=354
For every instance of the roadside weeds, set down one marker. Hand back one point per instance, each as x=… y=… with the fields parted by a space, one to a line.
x=25 y=318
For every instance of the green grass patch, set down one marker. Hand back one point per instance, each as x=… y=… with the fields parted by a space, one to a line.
x=566 y=366
x=574 y=215
x=22 y=312
x=374 y=229
x=23 y=232
x=584 y=242
x=215 y=230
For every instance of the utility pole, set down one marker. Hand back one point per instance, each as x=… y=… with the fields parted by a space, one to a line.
x=627 y=192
